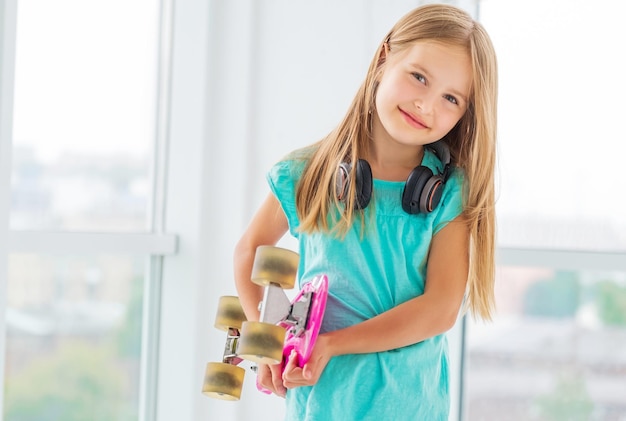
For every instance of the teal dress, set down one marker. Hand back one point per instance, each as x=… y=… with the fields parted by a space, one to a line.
x=369 y=275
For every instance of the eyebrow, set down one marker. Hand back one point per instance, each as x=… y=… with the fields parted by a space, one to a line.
x=430 y=76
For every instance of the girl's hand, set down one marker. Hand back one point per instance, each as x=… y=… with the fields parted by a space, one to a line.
x=269 y=377
x=294 y=376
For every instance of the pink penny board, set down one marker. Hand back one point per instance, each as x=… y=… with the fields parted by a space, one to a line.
x=303 y=344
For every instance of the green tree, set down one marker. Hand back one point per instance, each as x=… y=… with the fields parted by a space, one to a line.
x=129 y=334
x=78 y=382
x=569 y=401
x=556 y=297
x=611 y=303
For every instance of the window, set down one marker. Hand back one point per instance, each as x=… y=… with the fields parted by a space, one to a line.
x=553 y=350
x=85 y=241
x=560 y=121
x=84 y=115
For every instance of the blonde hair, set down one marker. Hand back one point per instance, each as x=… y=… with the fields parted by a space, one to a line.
x=472 y=143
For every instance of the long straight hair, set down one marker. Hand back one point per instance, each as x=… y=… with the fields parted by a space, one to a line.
x=472 y=143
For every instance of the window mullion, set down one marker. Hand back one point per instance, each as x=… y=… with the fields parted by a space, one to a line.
x=8 y=20
x=74 y=242
x=562 y=259
x=162 y=111
x=150 y=340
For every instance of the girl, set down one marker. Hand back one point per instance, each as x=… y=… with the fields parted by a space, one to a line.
x=396 y=207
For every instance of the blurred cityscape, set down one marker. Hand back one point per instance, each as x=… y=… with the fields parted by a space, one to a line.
x=555 y=352
x=74 y=323
x=74 y=329
x=79 y=192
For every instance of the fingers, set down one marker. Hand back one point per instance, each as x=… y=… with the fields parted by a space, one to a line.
x=306 y=372
x=293 y=376
x=293 y=368
x=308 y=375
x=264 y=377
x=291 y=361
x=269 y=377
x=277 y=380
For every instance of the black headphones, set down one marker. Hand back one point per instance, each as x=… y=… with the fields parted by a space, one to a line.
x=422 y=191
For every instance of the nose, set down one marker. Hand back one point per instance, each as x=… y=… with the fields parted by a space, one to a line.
x=425 y=103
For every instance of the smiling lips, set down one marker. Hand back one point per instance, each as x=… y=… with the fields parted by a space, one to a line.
x=413 y=120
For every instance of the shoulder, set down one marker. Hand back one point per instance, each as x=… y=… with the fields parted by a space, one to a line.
x=292 y=165
x=283 y=178
x=285 y=174
x=287 y=169
x=452 y=199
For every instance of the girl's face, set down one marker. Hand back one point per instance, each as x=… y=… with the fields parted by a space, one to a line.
x=422 y=94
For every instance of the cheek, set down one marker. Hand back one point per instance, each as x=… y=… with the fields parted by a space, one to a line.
x=447 y=121
x=390 y=94
x=381 y=98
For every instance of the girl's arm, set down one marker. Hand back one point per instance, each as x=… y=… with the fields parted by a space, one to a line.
x=422 y=317
x=418 y=319
x=268 y=226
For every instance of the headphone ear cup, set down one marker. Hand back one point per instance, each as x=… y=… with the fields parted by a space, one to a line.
x=412 y=199
x=364 y=184
x=342 y=181
x=431 y=195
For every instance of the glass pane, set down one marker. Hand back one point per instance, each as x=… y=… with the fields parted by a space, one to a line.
x=561 y=182
x=556 y=350
x=84 y=114
x=74 y=328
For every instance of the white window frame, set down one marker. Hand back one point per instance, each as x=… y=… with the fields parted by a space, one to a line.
x=562 y=259
x=8 y=17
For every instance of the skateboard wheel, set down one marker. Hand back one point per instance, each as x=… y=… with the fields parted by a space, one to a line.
x=229 y=313
x=275 y=265
x=261 y=342
x=223 y=381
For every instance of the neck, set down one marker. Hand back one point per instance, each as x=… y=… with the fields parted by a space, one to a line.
x=389 y=159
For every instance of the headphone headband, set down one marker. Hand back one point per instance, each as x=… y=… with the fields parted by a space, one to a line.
x=440 y=148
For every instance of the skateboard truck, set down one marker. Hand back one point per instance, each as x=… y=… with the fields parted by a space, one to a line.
x=276 y=308
x=299 y=315
x=275 y=305
x=230 y=348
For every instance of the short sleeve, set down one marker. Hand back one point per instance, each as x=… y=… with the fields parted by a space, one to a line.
x=451 y=204
x=283 y=179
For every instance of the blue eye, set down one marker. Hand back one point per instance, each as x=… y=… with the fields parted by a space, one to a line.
x=419 y=77
x=451 y=99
